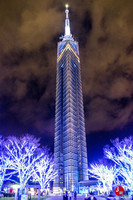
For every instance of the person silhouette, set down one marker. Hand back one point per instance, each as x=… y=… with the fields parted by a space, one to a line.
x=75 y=195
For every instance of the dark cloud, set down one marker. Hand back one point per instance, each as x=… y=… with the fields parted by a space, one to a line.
x=29 y=33
x=108 y=64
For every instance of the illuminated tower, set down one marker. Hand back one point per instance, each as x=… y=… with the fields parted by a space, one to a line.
x=70 y=139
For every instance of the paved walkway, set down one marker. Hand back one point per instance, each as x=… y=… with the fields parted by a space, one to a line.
x=78 y=198
x=61 y=198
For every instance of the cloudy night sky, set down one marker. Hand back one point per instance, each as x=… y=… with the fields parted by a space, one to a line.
x=29 y=32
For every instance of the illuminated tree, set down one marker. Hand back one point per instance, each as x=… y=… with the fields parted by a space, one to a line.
x=105 y=175
x=122 y=155
x=3 y=162
x=5 y=167
x=24 y=152
x=45 y=170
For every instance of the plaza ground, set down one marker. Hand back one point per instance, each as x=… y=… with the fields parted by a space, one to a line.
x=78 y=198
x=61 y=198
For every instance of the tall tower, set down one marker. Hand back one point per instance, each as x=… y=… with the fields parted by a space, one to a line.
x=70 y=138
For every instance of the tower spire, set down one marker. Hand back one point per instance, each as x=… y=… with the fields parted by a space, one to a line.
x=68 y=35
x=67 y=22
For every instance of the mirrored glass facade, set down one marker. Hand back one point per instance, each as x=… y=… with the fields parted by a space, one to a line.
x=70 y=150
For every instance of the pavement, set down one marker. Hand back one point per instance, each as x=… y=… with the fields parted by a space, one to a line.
x=78 y=198
x=61 y=198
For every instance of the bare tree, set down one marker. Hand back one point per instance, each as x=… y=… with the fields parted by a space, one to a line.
x=5 y=172
x=122 y=155
x=24 y=152
x=45 y=170
x=105 y=175
x=3 y=162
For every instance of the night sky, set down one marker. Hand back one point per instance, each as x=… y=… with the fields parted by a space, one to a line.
x=29 y=32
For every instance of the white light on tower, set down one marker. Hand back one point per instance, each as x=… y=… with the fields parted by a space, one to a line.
x=67 y=6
